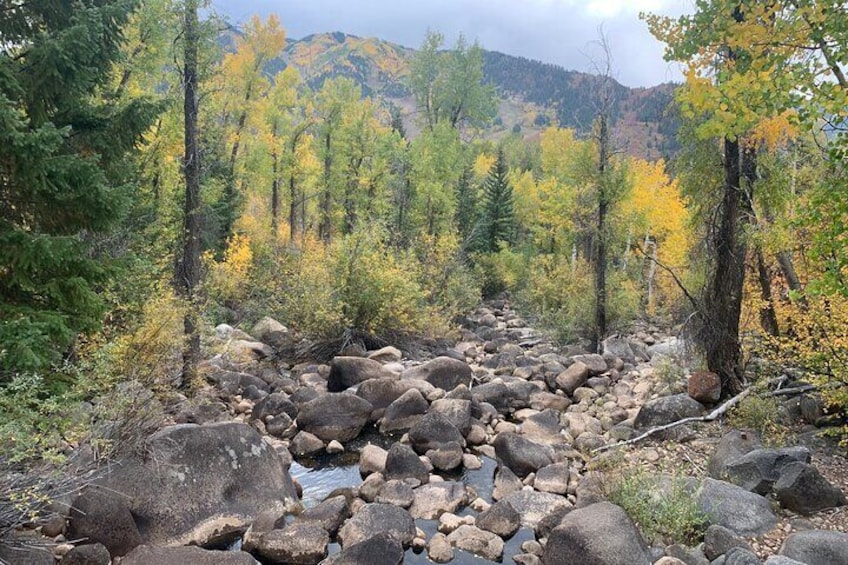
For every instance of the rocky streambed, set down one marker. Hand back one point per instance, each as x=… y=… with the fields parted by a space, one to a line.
x=484 y=451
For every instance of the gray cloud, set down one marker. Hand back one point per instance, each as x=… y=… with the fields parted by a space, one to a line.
x=553 y=31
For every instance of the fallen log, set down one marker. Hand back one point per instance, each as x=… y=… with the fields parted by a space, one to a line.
x=715 y=414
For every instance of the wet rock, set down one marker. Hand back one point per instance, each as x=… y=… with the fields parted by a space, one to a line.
x=328 y=515
x=433 y=499
x=403 y=463
x=432 y=431
x=404 y=412
x=501 y=519
x=521 y=455
x=380 y=549
x=802 y=489
x=442 y=372
x=334 y=416
x=479 y=542
x=733 y=507
x=667 y=409
x=759 y=469
x=817 y=547
x=601 y=534
x=304 y=444
x=299 y=543
x=376 y=518
x=148 y=554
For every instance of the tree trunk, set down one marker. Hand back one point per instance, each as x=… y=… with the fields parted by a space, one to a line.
x=601 y=246
x=275 y=194
x=324 y=226
x=723 y=303
x=188 y=266
x=768 y=317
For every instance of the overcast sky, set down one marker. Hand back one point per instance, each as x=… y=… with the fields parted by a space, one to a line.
x=553 y=31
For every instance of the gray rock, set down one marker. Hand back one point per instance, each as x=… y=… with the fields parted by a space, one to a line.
x=732 y=445
x=397 y=493
x=534 y=506
x=596 y=363
x=442 y=372
x=446 y=457
x=18 y=554
x=147 y=554
x=439 y=550
x=403 y=463
x=458 y=411
x=372 y=459
x=781 y=560
x=270 y=331
x=233 y=383
x=479 y=542
x=101 y=516
x=329 y=514
x=334 y=416
x=433 y=499
x=573 y=377
x=735 y=508
x=274 y=404
x=601 y=534
x=718 y=540
x=551 y=520
x=667 y=409
x=759 y=469
x=386 y=354
x=619 y=347
x=89 y=554
x=377 y=518
x=495 y=393
x=817 y=547
x=686 y=555
x=506 y=483
x=346 y=372
x=520 y=454
x=380 y=549
x=305 y=444
x=381 y=393
x=500 y=519
x=432 y=431
x=404 y=412
x=552 y=478
x=741 y=556
x=299 y=543
x=802 y=489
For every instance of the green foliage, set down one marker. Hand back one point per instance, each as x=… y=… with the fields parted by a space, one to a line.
x=497 y=221
x=502 y=271
x=62 y=145
x=664 y=508
x=760 y=414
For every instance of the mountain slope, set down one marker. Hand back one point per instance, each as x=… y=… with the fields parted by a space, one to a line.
x=531 y=94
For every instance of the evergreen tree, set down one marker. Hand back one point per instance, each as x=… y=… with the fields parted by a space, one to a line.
x=498 y=219
x=466 y=205
x=62 y=146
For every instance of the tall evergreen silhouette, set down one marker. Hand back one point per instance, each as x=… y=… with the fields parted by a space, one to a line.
x=498 y=218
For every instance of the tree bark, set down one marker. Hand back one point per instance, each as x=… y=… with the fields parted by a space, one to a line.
x=324 y=227
x=601 y=246
x=187 y=276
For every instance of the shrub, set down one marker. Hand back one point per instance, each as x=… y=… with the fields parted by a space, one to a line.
x=663 y=507
x=501 y=271
x=759 y=414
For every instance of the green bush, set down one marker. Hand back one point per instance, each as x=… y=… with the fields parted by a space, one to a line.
x=664 y=508
x=759 y=414
x=504 y=271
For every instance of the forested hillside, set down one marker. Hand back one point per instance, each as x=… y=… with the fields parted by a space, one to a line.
x=221 y=254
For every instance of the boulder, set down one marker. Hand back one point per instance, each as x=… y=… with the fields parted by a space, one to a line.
x=404 y=412
x=89 y=554
x=147 y=555
x=299 y=543
x=732 y=445
x=346 y=372
x=704 y=386
x=520 y=454
x=329 y=515
x=501 y=519
x=442 y=372
x=375 y=518
x=746 y=513
x=396 y=492
x=446 y=457
x=433 y=499
x=741 y=556
x=273 y=405
x=439 y=550
x=101 y=516
x=305 y=444
x=620 y=348
x=667 y=409
x=233 y=383
x=506 y=483
x=596 y=363
x=802 y=489
x=759 y=469
x=457 y=410
x=403 y=463
x=334 y=416
x=572 y=378
x=197 y=484
x=379 y=549
x=479 y=542
x=817 y=547
x=718 y=540
x=552 y=478
x=381 y=393
x=270 y=331
x=533 y=506
x=372 y=459
x=386 y=354
x=601 y=534
x=432 y=431
x=495 y=393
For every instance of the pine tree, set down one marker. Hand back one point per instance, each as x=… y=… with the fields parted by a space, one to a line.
x=62 y=148
x=466 y=205
x=498 y=219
